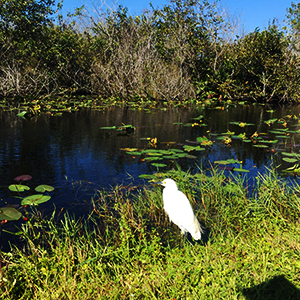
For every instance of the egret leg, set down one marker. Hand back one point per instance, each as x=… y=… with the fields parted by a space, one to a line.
x=183 y=239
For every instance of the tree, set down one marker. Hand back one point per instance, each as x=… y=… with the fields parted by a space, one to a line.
x=294 y=21
x=294 y=17
x=23 y=20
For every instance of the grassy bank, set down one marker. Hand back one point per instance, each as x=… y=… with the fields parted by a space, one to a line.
x=127 y=248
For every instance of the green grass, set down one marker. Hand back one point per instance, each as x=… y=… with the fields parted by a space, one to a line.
x=128 y=249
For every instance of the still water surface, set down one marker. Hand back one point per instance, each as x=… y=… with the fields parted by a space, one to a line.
x=73 y=154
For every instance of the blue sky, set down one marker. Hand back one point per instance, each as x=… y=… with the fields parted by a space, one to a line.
x=251 y=13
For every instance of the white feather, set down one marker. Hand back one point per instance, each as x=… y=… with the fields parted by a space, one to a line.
x=179 y=209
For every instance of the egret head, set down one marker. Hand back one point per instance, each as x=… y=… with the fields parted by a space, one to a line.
x=168 y=183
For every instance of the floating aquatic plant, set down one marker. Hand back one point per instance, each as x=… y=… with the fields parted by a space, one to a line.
x=35 y=199
x=204 y=141
x=18 y=187
x=9 y=213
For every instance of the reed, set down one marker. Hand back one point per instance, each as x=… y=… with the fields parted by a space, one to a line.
x=127 y=248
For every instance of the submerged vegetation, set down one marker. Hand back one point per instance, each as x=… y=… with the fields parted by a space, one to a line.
x=127 y=248
x=185 y=50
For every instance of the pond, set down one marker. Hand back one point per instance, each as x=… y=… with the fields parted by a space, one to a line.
x=81 y=152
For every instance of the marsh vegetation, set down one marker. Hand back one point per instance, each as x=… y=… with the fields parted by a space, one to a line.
x=184 y=50
x=127 y=247
x=162 y=94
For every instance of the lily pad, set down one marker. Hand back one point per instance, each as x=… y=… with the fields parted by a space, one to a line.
x=176 y=150
x=190 y=156
x=112 y=127
x=290 y=160
x=260 y=146
x=240 y=170
x=151 y=158
x=204 y=141
x=282 y=129
x=227 y=162
x=270 y=141
x=170 y=157
x=18 y=187
x=23 y=178
x=198 y=118
x=241 y=124
x=9 y=213
x=43 y=188
x=149 y=151
x=129 y=149
x=271 y=121
x=153 y=153
x=275 y=131
x=290 y=154
x=134 y=153
x=35 y=199
x=192 y=148
x=158 y=165
x=180 y=155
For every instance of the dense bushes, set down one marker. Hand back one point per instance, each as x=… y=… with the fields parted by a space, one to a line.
x=177 y=52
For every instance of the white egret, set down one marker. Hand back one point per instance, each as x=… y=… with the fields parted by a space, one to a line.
x=179 y=209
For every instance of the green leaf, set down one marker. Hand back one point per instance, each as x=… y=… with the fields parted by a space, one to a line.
x=18 y=187
x=134 y=153
x=149 y=151
x=240 y=170
x=176 y=150
x=227 y=162
x=152 y=158
x=43 y=187
x=202 y=139
x=153 y=153
x=190 y=156
x=294 y=169
x=198 y=118
x=22 y=114
x=270 y=141
x=290 y=154
x=35 y=199
x=192 y=148
x=170 y=157
x=290 y=160
x=282 y=129
x=275 y=131
x=113 y=127
x=260 y=146
x=158 y=165
x=271 y=121
x=146 y=176
x=9 y=213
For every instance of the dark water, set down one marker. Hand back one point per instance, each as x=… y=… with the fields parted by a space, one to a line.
x=75 y=156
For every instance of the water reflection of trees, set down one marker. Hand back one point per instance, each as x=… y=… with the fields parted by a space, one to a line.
x=48 y=148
